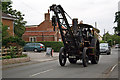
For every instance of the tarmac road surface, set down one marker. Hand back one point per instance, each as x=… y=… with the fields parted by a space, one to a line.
x=106 y=68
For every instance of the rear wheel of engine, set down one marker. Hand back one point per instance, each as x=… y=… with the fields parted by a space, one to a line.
x=62 y=57
x=85 y=57
x=95 y=58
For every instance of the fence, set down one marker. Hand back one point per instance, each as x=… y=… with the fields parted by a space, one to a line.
x=8 y=51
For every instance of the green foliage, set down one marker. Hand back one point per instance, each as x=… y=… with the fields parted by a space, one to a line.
x=54 y=44
x=15 y=56
x=6 y=6
x=12 y=51
x=117 y=19
x=102 y=41
x=116 y=38
x=4 y=31
x=6 y=57
x=107 y=36
x=111 y=39
x=19 y=22
x=110 y=42
x=16 y=40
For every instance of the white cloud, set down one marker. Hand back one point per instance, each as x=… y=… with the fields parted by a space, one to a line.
x=90 y=11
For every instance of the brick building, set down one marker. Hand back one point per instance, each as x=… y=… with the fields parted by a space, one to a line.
x=8 y=20
x=42 y=32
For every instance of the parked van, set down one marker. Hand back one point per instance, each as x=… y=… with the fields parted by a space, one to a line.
x=105 y=48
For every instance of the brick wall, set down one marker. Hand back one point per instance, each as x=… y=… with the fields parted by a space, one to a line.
x=46 y=25
x=25 y=38
x=39 y=38
x=48 y=38
x=10 y=24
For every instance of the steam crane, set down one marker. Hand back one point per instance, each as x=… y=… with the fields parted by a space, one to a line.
x=80 y=41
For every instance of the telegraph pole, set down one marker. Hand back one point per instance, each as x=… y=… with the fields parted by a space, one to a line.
x=104 y=35
x=95 y=24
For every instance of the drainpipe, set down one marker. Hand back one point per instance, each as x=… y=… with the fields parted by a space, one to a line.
x=42 y=37
x=13 y=28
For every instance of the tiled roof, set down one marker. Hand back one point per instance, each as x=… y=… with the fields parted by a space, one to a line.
x=38 y=33
x=6 y=16
x=37 y=28
x=31 y=25
x=31 y=28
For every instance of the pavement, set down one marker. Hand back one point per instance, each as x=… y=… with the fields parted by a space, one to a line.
x=41 y=56
x=35 y=57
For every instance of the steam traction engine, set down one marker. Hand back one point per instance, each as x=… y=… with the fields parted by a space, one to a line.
x=80 y=41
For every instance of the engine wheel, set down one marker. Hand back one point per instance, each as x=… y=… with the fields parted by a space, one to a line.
x=62 y=57
x=95 y=58
x=85 y=57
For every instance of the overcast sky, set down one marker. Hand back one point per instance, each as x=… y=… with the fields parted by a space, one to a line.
x=90 y=11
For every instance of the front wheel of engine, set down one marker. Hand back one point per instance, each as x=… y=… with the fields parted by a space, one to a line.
x=62 y=57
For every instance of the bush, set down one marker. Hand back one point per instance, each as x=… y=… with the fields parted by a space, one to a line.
x=54 y=44
x=12 y=51
x=16 y=40
x=110 y=42
x=102 y=41
x=6 y=57
x=15 y=56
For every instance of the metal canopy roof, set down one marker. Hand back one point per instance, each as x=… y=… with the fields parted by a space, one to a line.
x=89 y=26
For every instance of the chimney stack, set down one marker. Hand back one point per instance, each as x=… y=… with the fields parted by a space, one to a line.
x=47 y=16
x=74 y=25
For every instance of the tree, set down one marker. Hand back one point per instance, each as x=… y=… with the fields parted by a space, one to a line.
x=106 y=36
x=19 y=22
x=116 y=38
x=111 y=39
x=4 y=31
x=0 y=34
x=117 y=19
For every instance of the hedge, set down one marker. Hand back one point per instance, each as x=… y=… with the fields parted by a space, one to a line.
x=54 y=44
x=11 y=39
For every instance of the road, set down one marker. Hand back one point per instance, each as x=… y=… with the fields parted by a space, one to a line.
x=107 y=68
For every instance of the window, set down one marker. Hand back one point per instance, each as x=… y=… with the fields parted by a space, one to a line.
x=27 y=44
x=32 y=39
x=60 y=39
x=37 y=44
x=41 y=44
x=8 y=27
x=32 y=44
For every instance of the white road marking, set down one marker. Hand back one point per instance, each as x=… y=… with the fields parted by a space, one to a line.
x=40 y=72
x=113 y=67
